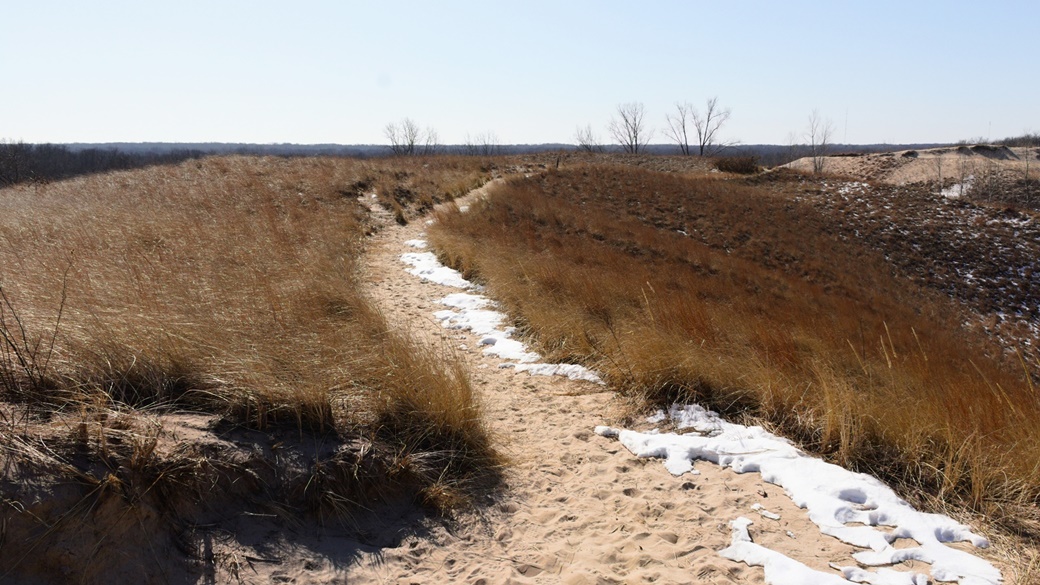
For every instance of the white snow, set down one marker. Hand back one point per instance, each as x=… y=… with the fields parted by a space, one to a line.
x=852 y=188
x=572 y=371
x=765 y=513
x=957 y=190
x=501 y=346
x=470 y=312
x=779 y=568
x=426 y=266
x=849 y=506
x=465 y=301
x=479 y=321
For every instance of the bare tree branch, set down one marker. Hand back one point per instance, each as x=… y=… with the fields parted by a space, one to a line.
x=403 y=137
x=406 y=139
x=629 y=128
x=677 y=126
x=483 y=144
x=818 y=135
x=708 y=125
x=587 y=140
x=430 y=142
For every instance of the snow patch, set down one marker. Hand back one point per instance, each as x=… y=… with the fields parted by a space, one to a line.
x=426 y=266
x=470 y=312
x=765 y=513
x=779 y=568
x=572 y=371
x=849 y=506
x=465 y=301
x=957 y=190
x=479 y=321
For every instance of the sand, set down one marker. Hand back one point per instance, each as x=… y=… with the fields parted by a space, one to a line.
x=952 y=164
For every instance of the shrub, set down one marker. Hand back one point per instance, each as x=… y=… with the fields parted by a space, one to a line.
x=742 y=165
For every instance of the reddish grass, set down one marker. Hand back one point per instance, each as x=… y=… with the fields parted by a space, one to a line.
x=679 y=288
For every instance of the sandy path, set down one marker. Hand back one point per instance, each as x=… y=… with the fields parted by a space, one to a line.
x=578 y=508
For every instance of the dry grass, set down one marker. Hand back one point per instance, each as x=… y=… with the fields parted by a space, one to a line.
x=224 y=287
x=407 y=186
x=710 y=290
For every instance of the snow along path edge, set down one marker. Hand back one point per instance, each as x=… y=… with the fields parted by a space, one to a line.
x=833 y=496
x=470 y=314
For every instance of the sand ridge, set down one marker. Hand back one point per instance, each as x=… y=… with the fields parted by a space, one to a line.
x=951 y=164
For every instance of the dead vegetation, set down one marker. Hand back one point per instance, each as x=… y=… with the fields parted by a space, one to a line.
x=184 y=347
x=984 y=255
x=737 y=296
x=407 y=186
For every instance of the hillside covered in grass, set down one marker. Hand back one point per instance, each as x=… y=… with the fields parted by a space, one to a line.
x=719 y=291
x=185 y=347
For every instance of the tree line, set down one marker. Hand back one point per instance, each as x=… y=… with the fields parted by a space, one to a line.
x=21 y=162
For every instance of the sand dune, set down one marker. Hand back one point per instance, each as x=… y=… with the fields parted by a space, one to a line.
x=952 y=163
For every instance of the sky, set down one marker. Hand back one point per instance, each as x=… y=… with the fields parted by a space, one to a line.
x=529 y=72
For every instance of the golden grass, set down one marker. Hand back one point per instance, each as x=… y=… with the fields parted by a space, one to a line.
x=699 y=289
x=227 y=287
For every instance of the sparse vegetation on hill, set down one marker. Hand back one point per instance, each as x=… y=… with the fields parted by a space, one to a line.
x=986 y=256
x=680 y=288
x=186 y=346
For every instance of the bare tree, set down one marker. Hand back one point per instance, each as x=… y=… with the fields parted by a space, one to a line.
x=708 y=127
x=587 y=140
x=430 y=142
x=403 y=137
x=677 y=126
x=483 y=144
x=965 y=170
x=406 y=139
x=468 y=147
x=938 y=160
x=629 y=128
x=705 y=125
x=818 y=135
x=488 y=143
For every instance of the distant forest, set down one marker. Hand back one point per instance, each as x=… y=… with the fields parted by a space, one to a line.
x=23 y=162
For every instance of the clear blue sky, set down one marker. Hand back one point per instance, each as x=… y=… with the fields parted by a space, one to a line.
x=530 y=71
